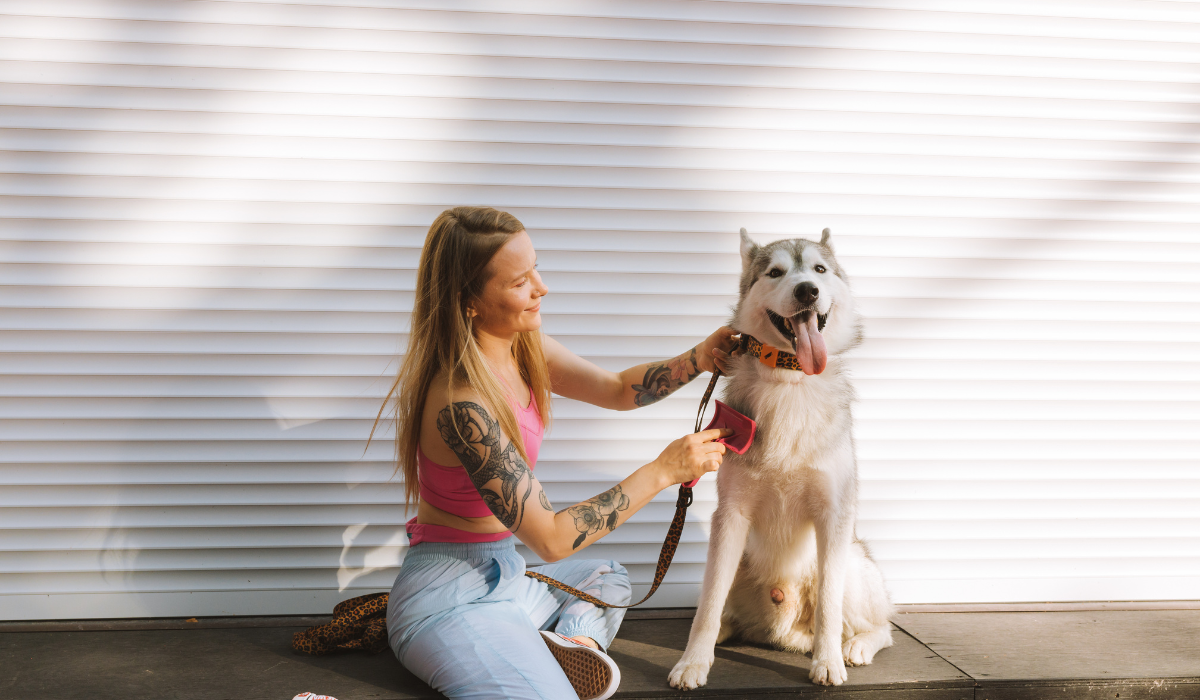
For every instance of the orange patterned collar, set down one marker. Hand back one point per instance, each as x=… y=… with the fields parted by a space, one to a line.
x=769 y=355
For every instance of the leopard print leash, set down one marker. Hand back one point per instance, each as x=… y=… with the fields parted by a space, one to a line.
x=664 y=558
x=671 y=543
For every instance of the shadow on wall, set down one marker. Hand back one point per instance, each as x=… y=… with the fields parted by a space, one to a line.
x=215 y=536
x=239 y=328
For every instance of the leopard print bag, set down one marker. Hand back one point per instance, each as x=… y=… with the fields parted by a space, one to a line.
x=358 y=624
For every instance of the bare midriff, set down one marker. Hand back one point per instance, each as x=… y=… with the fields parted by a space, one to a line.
x=432 y=515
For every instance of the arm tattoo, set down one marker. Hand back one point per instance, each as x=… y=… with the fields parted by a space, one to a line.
x=478 y=448
x=545 y=501
x=599 y=512
x=662 y=379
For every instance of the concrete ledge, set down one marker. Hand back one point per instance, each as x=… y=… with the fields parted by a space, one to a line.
x=938 y=656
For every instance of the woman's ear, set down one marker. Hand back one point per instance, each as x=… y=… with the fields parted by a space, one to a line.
x=469 y=309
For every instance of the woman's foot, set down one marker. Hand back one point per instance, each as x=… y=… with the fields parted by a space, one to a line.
x=592 y=673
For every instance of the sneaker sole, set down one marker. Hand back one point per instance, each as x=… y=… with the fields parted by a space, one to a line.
x=593 y=675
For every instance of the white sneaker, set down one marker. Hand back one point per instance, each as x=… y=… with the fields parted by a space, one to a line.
x=594 y=675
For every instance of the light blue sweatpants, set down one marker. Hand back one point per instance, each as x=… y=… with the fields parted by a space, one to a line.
x=464 y=618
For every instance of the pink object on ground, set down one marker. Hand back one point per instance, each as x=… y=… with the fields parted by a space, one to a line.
x=449 y=488
x=313 y=696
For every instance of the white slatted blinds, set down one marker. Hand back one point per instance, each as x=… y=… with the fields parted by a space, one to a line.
x=210 y=214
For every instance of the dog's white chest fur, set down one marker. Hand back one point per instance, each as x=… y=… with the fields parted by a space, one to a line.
x=801 y=419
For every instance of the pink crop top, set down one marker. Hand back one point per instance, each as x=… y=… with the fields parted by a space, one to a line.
x=451 y=490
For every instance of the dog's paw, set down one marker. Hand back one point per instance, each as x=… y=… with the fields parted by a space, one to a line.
x=691 y=672
x=828 y=672
x=857 y=651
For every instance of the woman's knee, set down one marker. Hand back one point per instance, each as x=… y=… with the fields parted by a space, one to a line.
x=604 y=568
x=613 y=573
x=617 y=568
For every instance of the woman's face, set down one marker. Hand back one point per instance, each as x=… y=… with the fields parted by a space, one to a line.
x=511 y=301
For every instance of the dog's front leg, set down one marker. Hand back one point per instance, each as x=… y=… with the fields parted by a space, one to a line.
x=833 y=550
x=727 y=541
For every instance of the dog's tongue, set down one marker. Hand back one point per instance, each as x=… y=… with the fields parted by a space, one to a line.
x=810 y=346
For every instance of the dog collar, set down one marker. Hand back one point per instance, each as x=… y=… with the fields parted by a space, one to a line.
x=769 y=355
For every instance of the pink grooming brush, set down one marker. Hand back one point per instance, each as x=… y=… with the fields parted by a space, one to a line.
x=743 y=431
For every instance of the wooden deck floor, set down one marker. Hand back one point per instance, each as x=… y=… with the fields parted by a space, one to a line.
x=1120 y=655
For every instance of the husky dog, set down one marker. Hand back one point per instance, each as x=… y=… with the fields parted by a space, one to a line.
x=783 y=533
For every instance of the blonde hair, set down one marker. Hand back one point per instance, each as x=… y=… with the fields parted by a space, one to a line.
x=460 y=244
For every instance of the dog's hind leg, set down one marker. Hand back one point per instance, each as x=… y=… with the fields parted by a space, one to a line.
x=727 y=630
x=727 y=541
x=867 y=610
x=860 y=649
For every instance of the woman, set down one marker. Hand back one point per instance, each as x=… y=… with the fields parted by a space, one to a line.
x=472 y=397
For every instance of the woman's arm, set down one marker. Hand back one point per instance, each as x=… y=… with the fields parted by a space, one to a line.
x=576 y=378
x=516 y=498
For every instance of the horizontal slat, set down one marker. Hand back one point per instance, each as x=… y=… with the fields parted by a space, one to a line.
x=927 y=473
x=1025 y=589
x=437 y=74
x=766 y=26
x=1080 y=492
x=52 y=131
x=366 y=408
x=567 y=432
x=304 y=176
x=268 y=387
x=390 y=513
x=491 y=28
x=83 y=42
x=284 y=129
x=111 y=197
x=284 y=448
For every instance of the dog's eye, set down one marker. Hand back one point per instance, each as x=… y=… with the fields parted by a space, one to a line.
x=820 y=269
x=775 y=272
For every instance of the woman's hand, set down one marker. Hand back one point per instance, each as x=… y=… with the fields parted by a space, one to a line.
x=691 y=456
x=717 y=350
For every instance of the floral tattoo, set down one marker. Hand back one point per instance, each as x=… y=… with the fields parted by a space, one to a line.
x=599 y=512
x=499 y=474
x=662 y=379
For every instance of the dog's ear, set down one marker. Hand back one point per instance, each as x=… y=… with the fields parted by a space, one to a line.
x=749 y=248
x=825 y=239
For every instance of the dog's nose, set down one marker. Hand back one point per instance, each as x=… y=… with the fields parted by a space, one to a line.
x=806 y=293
